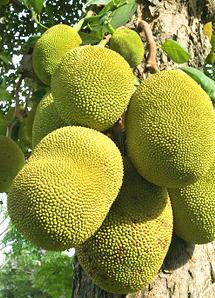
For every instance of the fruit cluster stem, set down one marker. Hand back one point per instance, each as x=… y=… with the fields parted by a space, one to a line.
x=151 y=60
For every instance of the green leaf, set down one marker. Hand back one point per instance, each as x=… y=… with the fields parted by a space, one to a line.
x=123 y=14
x=4 y=94
x=204 y=81
x=37 y=5
x=175 y=51
x=111 y=6
x=97 y=2
x=5 y=58
x=90 y=38
x=30 y=42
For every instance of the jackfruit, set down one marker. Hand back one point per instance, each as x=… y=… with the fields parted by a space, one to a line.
x=62 y=195
x=170 y=129
x=128 y=249
x=11 y=161
x=92 y=86
x=46 y=119
x=50 y=47
x=128 y=44
x=194 y=209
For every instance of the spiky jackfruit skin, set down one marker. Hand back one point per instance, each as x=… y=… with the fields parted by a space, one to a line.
x=170 y=130
x=61 y=197
x=128 y=250
x=128 y=44
x=194 y=209
x=11 y=161
x=92 y=86
x=46 y=119
x=50 y=48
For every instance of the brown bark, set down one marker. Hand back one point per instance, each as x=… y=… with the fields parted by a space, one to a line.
x=188 y=270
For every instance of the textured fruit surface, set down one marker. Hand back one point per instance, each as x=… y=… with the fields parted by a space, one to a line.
x=50 y=48
x=92 y=87
x=127 y=251
x=128 y=44
x=61 y=197
x=46 y=119
x=170 y=129
x=11 y=161
x=194 y=209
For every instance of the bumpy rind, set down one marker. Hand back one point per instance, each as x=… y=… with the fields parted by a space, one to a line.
x=170 y=130
x=11 y=161
x=92 y=86
x=128 y=44
x=194 y=209
x=50 y=48
x=46 y=119
x=127 y=251
x=61 y=197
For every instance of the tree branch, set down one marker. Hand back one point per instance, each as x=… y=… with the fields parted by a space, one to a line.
x=152 y=57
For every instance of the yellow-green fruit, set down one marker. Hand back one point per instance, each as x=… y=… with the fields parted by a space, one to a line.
x=127 y=251
x=92 y=86
x=194 y=209
x=62 y=195
x=11 y=161
x=46 y=119
x=170 y=129
x=128 y=44
x=50 y=48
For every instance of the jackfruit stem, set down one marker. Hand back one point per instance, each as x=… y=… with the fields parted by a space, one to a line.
x=105 y=41
x=118 y=135
x=110 y=28
x=151 y=60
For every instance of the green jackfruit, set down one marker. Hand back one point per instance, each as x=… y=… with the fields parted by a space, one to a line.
x=46 y=119
x=128 y=250
x=62 y=195
x=11 y=161
x=194 y=209
x=50 y=48
x=128 y=44
x=92 y=86
x=170 y=129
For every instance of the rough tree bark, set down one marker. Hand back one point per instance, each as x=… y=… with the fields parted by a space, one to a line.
x=188 y=270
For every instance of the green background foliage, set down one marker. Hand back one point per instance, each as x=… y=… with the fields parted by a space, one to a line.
x=31 y=272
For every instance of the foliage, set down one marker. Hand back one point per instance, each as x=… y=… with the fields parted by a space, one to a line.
x=30 y=271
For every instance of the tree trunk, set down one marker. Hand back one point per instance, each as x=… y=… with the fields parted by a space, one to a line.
x=188 y=270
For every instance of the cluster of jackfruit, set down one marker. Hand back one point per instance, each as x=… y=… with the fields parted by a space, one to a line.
x=76 y=189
